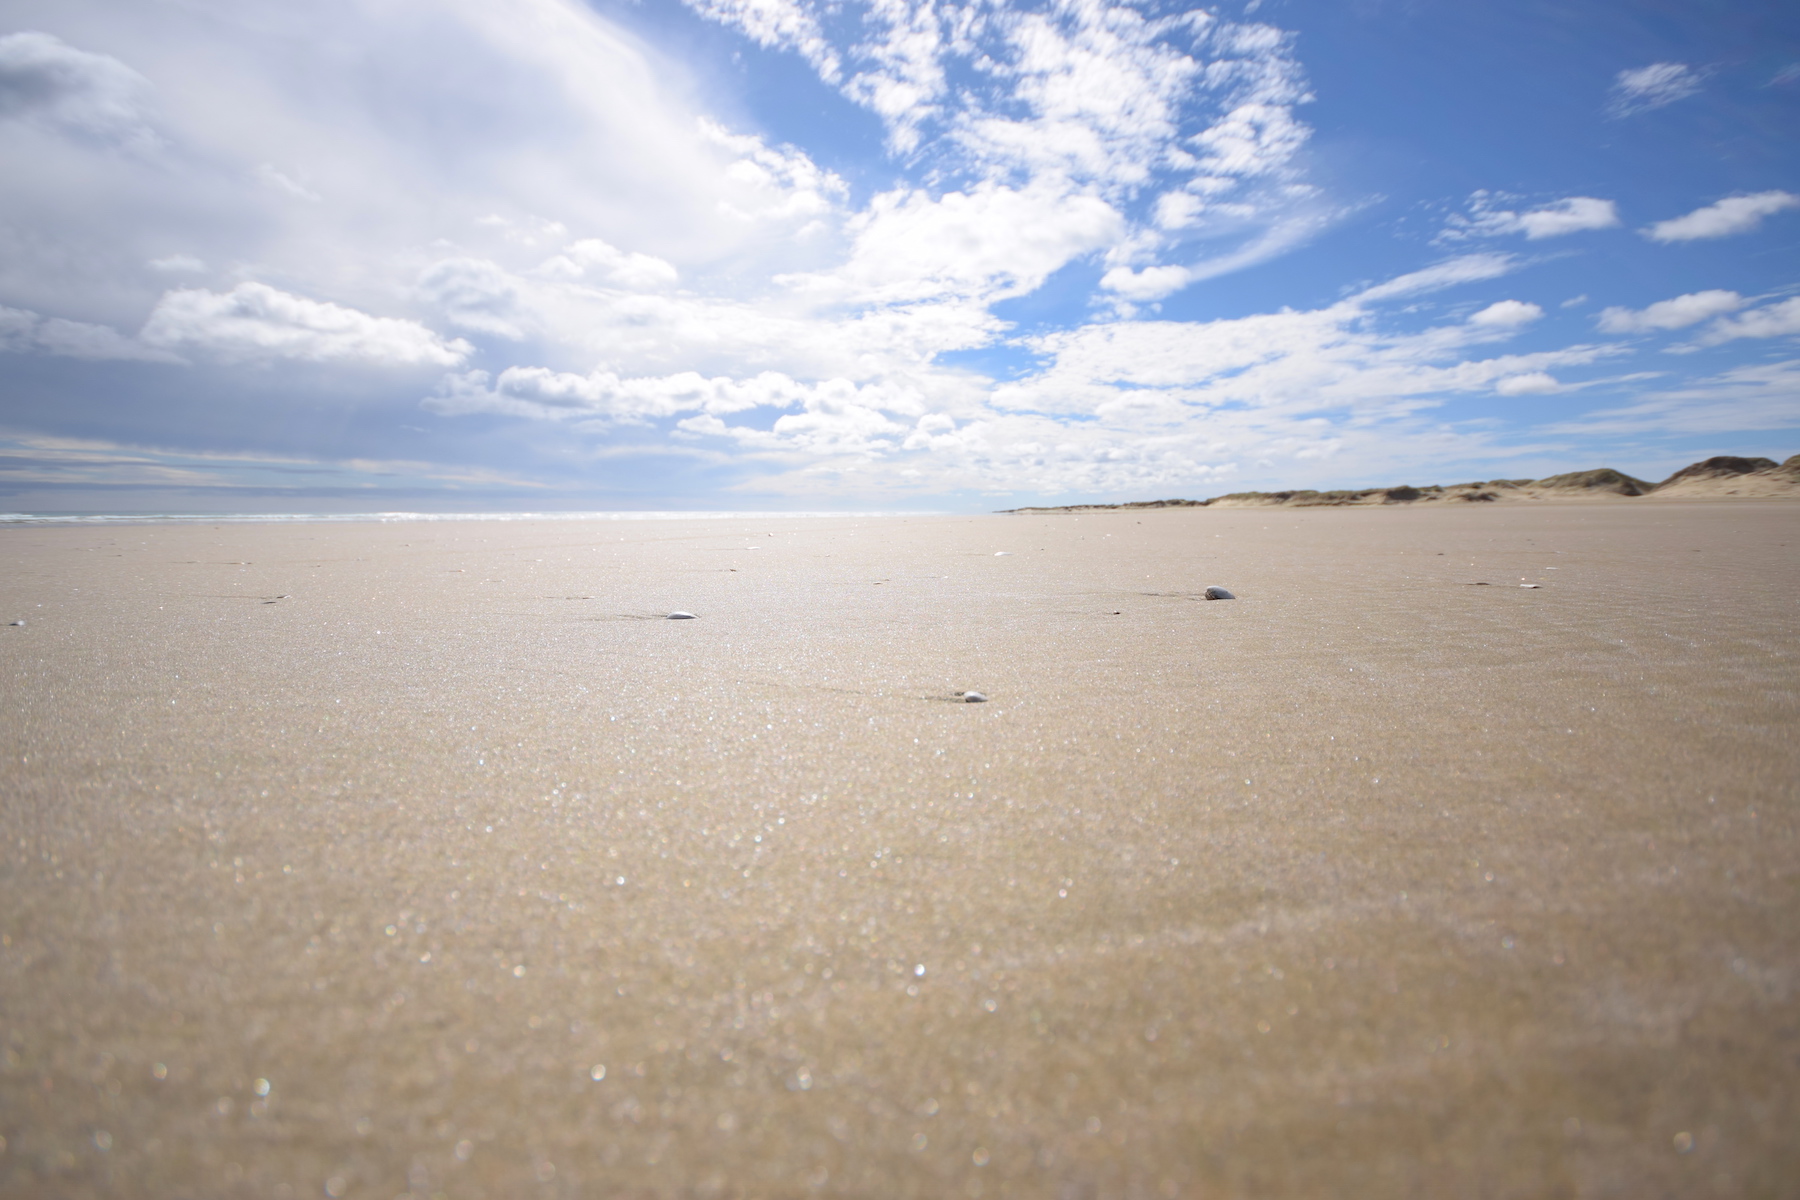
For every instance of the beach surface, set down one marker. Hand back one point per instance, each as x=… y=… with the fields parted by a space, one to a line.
x=431 y=859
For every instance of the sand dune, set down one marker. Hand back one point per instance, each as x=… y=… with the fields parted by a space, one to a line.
x=1747 y=477
x=1751 y=478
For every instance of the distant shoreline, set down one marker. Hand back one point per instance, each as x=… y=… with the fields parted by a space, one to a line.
x=28 y=520
x=1719 y=477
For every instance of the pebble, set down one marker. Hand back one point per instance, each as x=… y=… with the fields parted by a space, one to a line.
x=1219 y=593
x=972 y=697
x=681 y=616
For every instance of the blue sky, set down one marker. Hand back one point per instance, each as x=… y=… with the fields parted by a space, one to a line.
x=547 y=254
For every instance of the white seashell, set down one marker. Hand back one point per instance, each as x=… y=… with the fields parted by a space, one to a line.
x=1219 y=593
x=1531 y=585
x=18 y=622
x=1003 y=554
x=681 y=616
x=973 y=697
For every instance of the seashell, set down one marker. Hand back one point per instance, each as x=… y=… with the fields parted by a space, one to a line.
x=681 y=616
x=972 y=697
x=1219 y=593
x=16 y=622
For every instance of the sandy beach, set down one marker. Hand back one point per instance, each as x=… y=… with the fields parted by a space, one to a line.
x=1455 y=857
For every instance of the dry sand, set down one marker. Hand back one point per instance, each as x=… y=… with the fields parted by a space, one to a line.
x=1370 y=883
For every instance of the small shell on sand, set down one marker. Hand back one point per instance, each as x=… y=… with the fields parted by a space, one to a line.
x=1219 y=593
x=681 y=616
x=15 y=622
x=972 y=697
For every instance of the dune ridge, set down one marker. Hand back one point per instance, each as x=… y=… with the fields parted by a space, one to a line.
x=1716 y=477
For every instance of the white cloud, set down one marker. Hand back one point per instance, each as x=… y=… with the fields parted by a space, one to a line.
x=776 y=23
x=1732 y=215
x=767 y=182
x=905 y=77
x=1151 y=283
x=1154 y=283
x=989 y=242
x=1468 y=268
x=1082 y=100
x=1323 y=370
x=23 y=331
x=475 y=294
x=828 y=429
x=835 y=417
x=1530 y=383
x=1115 y=406
x=1775 y=320
x=1250 y=140
x=1677 y=313
x=1573 y=214
x=591 y=259
x=1754 y=397
x=274 y=154
x=286 y=185
x=1088 y=90
x=1644 y=88
x=1507 y=314
x=65 y=461
x=617 y=259
x=669 y=241
x=92 y=96
x=255 y=321
x=1177 y=210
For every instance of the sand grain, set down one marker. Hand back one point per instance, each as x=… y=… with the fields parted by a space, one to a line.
x=1370 y=883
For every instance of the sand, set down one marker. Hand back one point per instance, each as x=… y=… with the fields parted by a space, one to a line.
x=429 y=860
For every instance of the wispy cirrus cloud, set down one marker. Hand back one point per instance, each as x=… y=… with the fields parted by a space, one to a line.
x=1757 y=397
x=62 y=462
x=1642 y=89
x=1466 y=268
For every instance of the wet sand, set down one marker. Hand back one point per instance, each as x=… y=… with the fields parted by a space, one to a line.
x=376 y=860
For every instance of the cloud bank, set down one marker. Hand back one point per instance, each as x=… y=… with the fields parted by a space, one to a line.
x=551 y=241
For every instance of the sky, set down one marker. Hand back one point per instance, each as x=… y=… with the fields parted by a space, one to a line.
x=459 y=255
